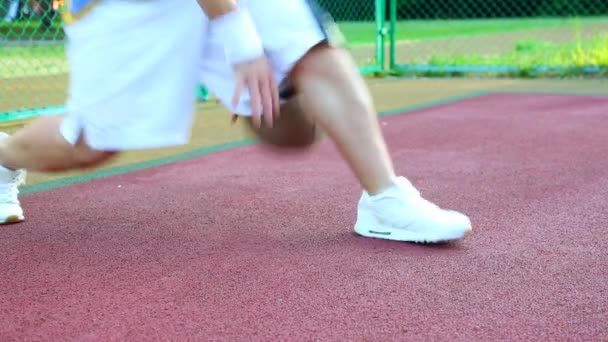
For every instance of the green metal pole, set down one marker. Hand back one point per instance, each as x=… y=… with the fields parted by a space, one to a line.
x=380 y=33
x=392 y=28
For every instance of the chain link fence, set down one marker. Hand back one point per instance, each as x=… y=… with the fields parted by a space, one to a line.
x=419 y=36
x=500 y=36
x=34 y=70
x=361 y=23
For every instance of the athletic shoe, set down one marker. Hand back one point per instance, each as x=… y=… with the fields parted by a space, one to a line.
x=401 y=214
x=10 y=180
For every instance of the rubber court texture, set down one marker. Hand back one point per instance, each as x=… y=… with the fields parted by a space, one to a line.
x=235 y=242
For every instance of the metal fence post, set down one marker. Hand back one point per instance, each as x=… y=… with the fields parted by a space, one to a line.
x=380 y=33
x=392 y=28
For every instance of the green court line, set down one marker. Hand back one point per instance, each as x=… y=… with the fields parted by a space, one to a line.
x=127 y=168
x=32 y=113
x=424 y=105
x=133 y=167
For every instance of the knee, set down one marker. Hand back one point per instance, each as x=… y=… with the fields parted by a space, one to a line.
x=328 y=74
x=321 y=61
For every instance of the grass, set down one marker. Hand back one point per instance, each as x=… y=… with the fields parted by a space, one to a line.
x=565 y=59
x=570 y=58
x=530 y=53
x=533 y=57
x=363 y=32
x=36 y=60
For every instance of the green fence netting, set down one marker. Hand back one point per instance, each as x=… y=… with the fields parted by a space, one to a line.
x=34 y=70
x=419 y=36
x=500 y=36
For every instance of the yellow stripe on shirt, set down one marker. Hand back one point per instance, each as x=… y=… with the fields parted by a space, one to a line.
x=69 y=18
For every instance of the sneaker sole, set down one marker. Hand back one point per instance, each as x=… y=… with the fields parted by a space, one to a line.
x=13 y=219
x=406 y=236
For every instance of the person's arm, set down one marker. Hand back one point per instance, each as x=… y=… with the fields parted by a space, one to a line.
x=244 y=50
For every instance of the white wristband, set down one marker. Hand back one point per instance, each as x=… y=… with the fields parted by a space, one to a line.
x=239 y=35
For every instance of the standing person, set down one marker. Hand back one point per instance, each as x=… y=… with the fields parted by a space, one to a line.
x=134 y=66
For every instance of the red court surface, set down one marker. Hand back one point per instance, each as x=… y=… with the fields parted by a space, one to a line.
x=242 y=245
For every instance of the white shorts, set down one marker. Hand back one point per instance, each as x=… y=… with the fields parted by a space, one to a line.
x=135 y=66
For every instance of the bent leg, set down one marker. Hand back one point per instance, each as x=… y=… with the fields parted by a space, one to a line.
x=335 y=96
x=41 y=147
x=338 y=100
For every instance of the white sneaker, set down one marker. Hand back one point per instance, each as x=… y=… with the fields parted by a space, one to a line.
x=10 y=180
x=401 y=214
x=10 y=208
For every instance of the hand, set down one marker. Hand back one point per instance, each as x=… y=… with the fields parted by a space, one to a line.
x=257 y=76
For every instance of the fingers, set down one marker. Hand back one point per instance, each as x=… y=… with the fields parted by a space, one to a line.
x=254 y=93
x=263 y=91
x=238 y=89
x=270 y=95
x=267 y=101
x=276 y=104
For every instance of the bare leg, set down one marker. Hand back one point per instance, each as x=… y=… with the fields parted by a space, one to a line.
x=41 y=147
x=333 y=92
x=38 y=147
x=336 y=97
